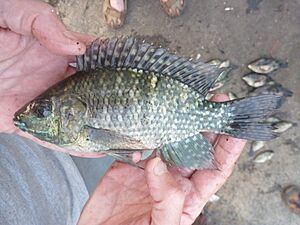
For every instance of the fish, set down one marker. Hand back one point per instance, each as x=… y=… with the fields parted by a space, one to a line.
x=216 y=86
x=274 y=88
x=266 y=65
x=263 y=156
x=232 y=96
x=130 y=96
x=227 y=68
x=255 y=146
x=255 y=80
x=281 y=126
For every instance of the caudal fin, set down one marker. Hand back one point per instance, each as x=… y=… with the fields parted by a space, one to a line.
x=247 y=117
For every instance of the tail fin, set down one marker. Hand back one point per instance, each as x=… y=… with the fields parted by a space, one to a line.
x=247 y=115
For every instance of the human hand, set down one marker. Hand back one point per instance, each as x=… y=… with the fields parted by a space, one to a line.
x=128 y=195
x=35 y=49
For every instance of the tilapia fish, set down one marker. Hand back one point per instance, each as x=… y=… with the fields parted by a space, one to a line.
x=130 y=96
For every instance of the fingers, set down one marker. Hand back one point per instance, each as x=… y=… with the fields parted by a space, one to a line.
x=51 y=33
x=208 y=182
x=85 y=38
x=10 y=44
x=40 y=19
x=168 y=197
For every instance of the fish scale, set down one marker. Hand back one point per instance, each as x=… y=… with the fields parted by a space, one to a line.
x=165 y=92
x=137 y=126
x=130 y=96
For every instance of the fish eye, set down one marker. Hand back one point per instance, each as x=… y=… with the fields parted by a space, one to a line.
x=42 y=109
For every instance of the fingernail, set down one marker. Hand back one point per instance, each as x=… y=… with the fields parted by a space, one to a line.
x=75 y=46
x=160 y=168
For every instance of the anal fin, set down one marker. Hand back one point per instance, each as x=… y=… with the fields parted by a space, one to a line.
x=194 y=152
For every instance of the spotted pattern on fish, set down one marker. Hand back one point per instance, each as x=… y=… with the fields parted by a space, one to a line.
x=137 y=103
x=131 y=96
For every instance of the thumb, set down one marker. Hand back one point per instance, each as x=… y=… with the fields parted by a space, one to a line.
x=40 y=19
x=166 y=193
x=52 y=34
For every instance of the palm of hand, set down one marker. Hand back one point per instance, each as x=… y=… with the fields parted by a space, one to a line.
x=32 y=69
x=126 y=194
x=127 y=199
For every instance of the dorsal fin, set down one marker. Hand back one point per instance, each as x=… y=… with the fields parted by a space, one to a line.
x=131 y=53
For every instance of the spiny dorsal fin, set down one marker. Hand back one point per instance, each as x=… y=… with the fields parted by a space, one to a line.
x=131 y=53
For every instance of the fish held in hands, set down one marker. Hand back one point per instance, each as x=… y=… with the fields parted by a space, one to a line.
x=266 y=65
x=130 y=96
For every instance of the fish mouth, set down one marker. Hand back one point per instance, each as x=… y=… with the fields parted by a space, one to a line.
x=18 y=123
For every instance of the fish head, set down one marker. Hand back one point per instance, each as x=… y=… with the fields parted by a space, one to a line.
x=56 y=119
x=38 y=118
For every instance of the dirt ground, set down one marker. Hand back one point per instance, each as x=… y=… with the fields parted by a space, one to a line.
x=241 y=31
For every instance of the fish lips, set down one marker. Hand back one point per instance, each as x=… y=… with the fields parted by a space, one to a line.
x=18 y=119
x=19 y=123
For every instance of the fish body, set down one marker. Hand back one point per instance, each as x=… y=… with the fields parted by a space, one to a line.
x=263 y=156
x=257 y=145
x=281 y=126
x=130 y=96
x=266 y=65
x=153 y=109
x=255 y=80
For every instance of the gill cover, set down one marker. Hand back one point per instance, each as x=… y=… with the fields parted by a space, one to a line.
x=71 y=113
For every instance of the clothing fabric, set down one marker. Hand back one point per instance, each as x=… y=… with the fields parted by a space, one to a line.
x=38 y=186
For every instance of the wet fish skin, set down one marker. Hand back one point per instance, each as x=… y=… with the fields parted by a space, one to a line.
x=255 y=80
x=266 y=65
x=118 y=99
x=148 y=111
x=130 y=96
